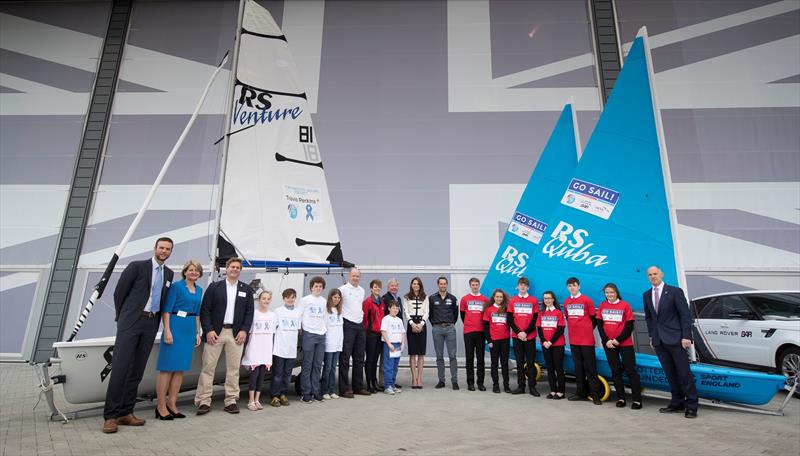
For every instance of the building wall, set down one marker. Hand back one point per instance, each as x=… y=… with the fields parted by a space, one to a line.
x=430 y=116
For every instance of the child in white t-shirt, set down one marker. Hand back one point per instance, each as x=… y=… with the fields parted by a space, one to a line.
x=284 y=351
x=334 y=339
x=393 y=332
x=258 y=354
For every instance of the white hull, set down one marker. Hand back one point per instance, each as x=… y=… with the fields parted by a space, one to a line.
x=84 y=361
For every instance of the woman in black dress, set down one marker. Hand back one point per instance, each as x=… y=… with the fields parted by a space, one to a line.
x=416 y=313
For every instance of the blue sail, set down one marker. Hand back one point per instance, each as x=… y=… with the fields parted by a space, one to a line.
x=523 y=237
x=612 y=218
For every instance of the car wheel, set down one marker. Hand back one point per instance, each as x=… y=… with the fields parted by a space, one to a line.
x=789 y=364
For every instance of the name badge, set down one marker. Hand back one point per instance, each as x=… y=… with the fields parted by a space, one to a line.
x=576 y=311
x=242 y=294
x=549 y=322
x=167 y=284
x=523 y=309
x=182 y=313
x=498 y=318
x=612 y=316
x=476 y=307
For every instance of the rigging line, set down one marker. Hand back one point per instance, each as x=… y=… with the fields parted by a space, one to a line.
x=226 y=135
x=279 y=157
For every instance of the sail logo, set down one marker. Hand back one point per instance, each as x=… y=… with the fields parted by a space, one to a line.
x=255 y=107
x=590 y=198
x=512 y=262
x=527 y=227
x=570 y=244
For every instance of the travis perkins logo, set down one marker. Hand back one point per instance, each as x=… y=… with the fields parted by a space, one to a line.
x=254 y=107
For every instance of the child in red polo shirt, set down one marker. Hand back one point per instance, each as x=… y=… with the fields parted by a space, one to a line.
x=373 y=315
x=524 y=308
x=496 y=331
x=615 y=331
x=471 y=307
x=550 y=326
x=580 y=313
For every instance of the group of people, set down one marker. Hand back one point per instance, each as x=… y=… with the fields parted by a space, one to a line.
x=351 y=328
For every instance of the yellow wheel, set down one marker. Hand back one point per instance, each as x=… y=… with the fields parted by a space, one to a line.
x=538 y=371
x=606 y=389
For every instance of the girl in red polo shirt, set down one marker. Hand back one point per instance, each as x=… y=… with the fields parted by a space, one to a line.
x=615 y=331
x=550 y=326
x=497 y=331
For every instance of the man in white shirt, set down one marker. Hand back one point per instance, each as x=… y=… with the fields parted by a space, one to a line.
x=354 y=337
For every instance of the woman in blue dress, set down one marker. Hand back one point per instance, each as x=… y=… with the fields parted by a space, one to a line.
x=181 y=317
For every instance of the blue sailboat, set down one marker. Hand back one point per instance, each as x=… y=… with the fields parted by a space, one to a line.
x=528 y=224
x=610 y=220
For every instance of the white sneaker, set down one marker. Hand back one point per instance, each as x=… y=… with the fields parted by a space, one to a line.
x=334 y=396
x=327 y=397
x=389 y=391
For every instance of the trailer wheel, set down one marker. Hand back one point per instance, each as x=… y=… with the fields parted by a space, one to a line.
x=606 y=388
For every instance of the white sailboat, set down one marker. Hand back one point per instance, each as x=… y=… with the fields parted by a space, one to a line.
x=274 y=208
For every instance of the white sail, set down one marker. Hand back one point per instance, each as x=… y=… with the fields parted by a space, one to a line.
x=275 y=203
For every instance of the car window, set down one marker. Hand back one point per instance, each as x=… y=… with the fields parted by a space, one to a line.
x=733 y=307
x=700 y=305
x=777 y=306
x=712 y=309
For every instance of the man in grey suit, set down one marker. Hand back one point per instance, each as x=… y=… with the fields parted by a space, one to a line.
x=141 y=289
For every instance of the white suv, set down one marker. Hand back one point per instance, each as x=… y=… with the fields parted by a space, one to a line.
x=750 y=329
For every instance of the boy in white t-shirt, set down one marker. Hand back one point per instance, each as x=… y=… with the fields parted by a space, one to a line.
x=313 y=340
x=393 y=332
x=284 y=350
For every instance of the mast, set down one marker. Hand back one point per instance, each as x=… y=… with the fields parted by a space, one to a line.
x=101 y=285
x=226 y=140
x=662 y=146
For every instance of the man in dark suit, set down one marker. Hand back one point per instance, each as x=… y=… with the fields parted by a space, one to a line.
x=669 y=324
x=226 y=315
x=141 y=289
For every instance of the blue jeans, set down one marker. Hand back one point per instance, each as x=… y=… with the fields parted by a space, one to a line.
x=281 y=375
x=313 y=352
x=390 y=366
x=329 y=372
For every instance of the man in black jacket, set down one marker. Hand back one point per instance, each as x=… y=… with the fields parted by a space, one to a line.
x=443 y=318
x=141 y=289
x=226 y=315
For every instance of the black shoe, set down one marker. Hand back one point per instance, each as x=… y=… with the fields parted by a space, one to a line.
x=690 y=413
x=306 y=399
x=496 y=389
x=363 y=392
x=176 y=414
x=597 y=401
x=670 y=409
x=577 y=397
x=557 y=397
x=456 y=387
x=519 y=391
x=439 y=385
x=481 y=387
x=621 y=403
x=161 y=417
x=470 y=387
x=636 y=406
x=507 y=389
x=534 y=392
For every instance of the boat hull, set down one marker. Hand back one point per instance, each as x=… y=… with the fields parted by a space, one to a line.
x=713 y=382
x=86 y=365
